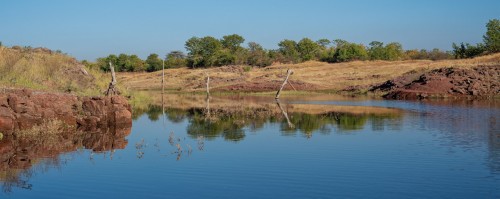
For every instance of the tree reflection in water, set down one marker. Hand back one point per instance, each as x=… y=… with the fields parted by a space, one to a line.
x=231 y=123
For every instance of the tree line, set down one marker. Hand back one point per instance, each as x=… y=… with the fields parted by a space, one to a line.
x=491 y=43
x=209 y=51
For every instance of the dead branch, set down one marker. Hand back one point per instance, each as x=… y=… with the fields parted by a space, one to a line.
x=288 y=73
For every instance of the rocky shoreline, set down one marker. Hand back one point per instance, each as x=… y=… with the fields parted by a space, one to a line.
x=22 y=109
x=478 y=83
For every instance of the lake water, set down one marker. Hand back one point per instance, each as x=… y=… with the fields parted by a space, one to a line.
x=245 y=147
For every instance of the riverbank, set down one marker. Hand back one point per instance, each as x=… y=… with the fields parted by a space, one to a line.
x=24 y=109
x=358 y=77
x=478 y=82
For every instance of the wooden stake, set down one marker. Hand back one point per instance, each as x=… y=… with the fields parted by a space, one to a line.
x=208 y=85
x=288 y=73
x=163 y=77
x=111 y=88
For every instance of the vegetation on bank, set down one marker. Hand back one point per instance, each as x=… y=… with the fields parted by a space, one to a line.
x=308 y=76
x=44 y=69
x=491 y=43
x=209 y=51
x=229 y=50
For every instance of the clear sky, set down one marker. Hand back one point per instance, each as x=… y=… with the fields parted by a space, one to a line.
x=88 y=29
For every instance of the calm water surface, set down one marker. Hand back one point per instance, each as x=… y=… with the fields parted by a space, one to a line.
x=244 y=147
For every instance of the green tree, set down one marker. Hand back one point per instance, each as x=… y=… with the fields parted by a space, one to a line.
x=492 y=37
x=175 y=59
x=232 y=42
x=289 y=50
x=328 y=55
x=467 y=50
x=257 y=55
x=195 y=51
x=339 y=43
x=153 y=63
x=224 y=57
x=203 y=51
x=135 y=64
x=308 y=49
x=276 y=56
x=103 y=63
x=377 y=50
x=393 y=51
x=349 y=52
x=324 y=43
x=122 y=62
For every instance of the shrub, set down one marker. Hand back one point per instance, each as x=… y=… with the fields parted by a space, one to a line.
x=247 y=68
x=467 y=50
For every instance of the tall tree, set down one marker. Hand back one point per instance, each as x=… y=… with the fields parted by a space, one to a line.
x=153 y=62
x=324 y=43
x=308 y=49
x=339 y=43
x=288 y=48
x=232 y=42
x=394 y=51
x=257 y=55
x=135 y=64
x=177 y=54
x=175 y=59
x=194 y=48
x=103 y=63
x=122 y=62
x=349 y=52
x=377 y=50
x=203 y=51
x=492 y=36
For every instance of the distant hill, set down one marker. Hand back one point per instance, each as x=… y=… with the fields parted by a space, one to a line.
x=44 y=69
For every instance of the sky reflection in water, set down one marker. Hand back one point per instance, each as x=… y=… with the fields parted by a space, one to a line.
x=246 y=147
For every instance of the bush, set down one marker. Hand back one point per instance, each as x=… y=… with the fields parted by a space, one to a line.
x=350 y=52
x=467 y=50
x=434 y=55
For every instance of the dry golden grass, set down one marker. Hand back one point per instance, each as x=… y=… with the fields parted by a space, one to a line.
x=324 y=76
x=43 y=69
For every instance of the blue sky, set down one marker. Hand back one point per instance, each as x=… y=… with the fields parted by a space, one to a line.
x=88 y=29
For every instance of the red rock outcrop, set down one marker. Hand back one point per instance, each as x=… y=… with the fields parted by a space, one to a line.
x=23 y=109
x=479 y=82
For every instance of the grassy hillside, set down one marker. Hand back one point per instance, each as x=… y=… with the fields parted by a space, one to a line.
x=310 y=76
x=43 y=69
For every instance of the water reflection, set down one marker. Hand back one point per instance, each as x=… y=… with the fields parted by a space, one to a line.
x=231 y=117
x=411 y=142
x=457 y=123
x=22 y=157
